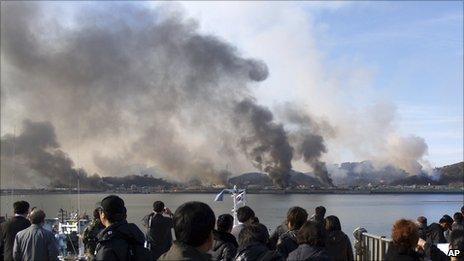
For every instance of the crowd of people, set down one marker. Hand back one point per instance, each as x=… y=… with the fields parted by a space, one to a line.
x=199 y=235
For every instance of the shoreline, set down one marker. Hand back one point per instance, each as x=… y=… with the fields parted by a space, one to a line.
x=455 y=191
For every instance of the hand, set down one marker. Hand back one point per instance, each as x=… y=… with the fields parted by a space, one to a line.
x=167 y=211
x=421 y=243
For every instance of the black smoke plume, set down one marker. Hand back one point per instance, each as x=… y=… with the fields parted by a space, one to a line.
x=140 y=87
x=265 y=142
x=37 y=148
x=307 y=139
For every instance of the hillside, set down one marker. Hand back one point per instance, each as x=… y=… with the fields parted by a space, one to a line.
x=263 y=180
x=452 y=173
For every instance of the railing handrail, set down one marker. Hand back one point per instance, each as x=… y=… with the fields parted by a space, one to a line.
x=369 y=246
x=383 y=238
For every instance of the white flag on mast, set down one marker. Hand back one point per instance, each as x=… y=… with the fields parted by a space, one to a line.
x=220 y=196
x=241 y=198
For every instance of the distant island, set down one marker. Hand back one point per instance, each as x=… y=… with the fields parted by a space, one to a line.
x=350 y=178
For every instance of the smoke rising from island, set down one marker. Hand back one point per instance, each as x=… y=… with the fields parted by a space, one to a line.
x=124 y=85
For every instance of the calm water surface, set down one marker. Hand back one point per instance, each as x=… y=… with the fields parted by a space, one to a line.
x=376 y=213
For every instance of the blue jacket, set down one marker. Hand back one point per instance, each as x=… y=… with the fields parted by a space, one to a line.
x=35 y=243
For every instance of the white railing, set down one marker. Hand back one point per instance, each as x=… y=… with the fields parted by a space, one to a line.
x=370 y=247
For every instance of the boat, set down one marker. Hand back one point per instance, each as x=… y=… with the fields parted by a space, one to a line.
x=68 y=229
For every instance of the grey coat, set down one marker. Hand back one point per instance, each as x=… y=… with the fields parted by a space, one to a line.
x=35 y=243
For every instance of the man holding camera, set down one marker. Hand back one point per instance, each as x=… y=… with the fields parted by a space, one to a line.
x=159 y=229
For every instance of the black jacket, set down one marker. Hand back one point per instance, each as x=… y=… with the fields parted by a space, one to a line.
x=423 y=229
x=159 y=234
x=287 y=243
x=310 y=253
x=257 y=252
x=115 y=240
x=9 y=229
x=395 y=253
x=224 y=246
x=435 y=234
x=338 y=246
x=282 y=228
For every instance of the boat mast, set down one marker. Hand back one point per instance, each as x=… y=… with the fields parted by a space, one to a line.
x=234 y=210
x=78 y=197
x=14 y=161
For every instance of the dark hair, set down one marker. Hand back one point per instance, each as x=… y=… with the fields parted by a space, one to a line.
x=96 y=213
x=320 y=211
x=457 y=217
x=21 y=207
x=244 y=214
x=114 y=209
x=37 y=216
x=457 y=241
x=332 y=223
x=446 y=219
x=254 y=220
x=405 y=234
x=193 y=223
x=225 y=222
x=422 y=220
x=297 y=216
x=255 y=233
x=310 y=233
x=462 y=209
x=158 y=206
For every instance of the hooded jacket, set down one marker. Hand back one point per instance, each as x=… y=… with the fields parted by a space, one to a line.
x=180 y=251
x=115 y=240
x=307 y=252
x=338 y=246
x=257 y=252
x=224 y=247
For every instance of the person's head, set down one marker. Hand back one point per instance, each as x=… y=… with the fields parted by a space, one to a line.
x=332 y=223
x=320 y=212
x=254 y=220
x=158 y=207
x=193 y=225
x=405 y=234
x=245 y=214
x=112 y=210
x=296 y=217
x=21 y=207
x=225 y=222
x=254 y=233
x=37 y=217
x=310 y=233
x=96 y=213
x=422 y=221
x=446 y=222
x=457 y=242
x=458 y=217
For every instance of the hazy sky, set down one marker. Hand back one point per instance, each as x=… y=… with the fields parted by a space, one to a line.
x=408 y=54
x=379 y=73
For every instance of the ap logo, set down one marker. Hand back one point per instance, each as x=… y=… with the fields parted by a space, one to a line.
x=454 y=252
